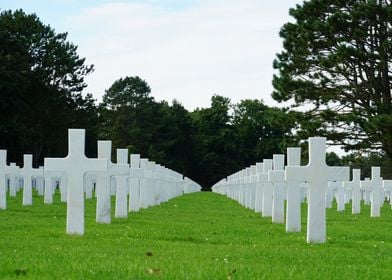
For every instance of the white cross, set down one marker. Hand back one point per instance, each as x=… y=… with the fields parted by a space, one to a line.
x=338 y=191
x=121 y=173
x=317 y=174
x=121 y=168
x=354 y=186
x=329 y=195
x=267 y=189
x=40 y=182
x=387 y=185
x=4 y=170
x=136 y=174
x=259 y=188
x=89 y=181
x=158 y=187
x=293 y=209
x=277 y=178
x=103 y=184
x=49 y=184
x=245 y=186
x=252 y=186
x=375 y=186
x=75 y=165
x=28 y=172
x=146 y=184
x=13 y=175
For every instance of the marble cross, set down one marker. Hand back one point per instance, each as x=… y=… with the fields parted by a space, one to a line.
x=146 y=184
x=104 y=179
x=122 y=175
x=75 y=165
x=28 y=172
x=375 y=186
x=354 y=186
x=252 y=186
x=277 y=178
x=338 y=189
x=136 y=174
x=13 y=175
x=4 y=170
x=49 y=180
x=259 y=188
x=267 y=189
x=317 y=174
x=387 y=185
x=293 y=209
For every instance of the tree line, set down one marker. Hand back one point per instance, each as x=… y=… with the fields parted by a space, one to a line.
x=334 y=60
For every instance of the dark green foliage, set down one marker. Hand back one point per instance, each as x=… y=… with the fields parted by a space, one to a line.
x=205 y=145
x=217 y=145
x=263 y=130
x=365 y=163
x=337 y=63
x=41 y=79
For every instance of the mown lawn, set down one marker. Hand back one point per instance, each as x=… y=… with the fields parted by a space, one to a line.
x=196 y=236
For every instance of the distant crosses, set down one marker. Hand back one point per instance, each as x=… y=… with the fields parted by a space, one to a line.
x=49 y=190
x=337 y=186
x=28 y=172
x=75 y=165
x=375 y=187
x=12 y=175
x=354 y=186
x=317 y=174
x=322 y=183
x=293 y=208
x=252 y=186
x=76 y=171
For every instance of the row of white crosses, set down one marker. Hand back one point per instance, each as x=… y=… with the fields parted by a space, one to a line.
x=144 y=182
x=264 y=187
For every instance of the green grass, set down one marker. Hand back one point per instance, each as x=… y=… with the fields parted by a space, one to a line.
x=196 y=236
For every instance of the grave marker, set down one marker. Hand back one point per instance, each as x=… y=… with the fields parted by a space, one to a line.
x=354 y=186
x=13 y=176
x=4 y=170
x=28 y=172
x=317 y=174
x=259 y=188
x=375 y=186
x=293 y=210
x=122 y=171
x=136 y=174
x=277 y=178
x=75 y=165
x=267 y=189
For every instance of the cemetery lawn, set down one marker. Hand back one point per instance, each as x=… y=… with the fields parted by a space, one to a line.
x=196 y=236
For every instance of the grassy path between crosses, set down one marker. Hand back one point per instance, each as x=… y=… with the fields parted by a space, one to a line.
x=196 y=236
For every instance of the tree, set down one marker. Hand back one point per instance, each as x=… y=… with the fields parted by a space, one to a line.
x=263 y=130
x=172 y=142
x=129 y=114
x=216 y=146
x=336 y=65
x=41 y=79
x=132 y=118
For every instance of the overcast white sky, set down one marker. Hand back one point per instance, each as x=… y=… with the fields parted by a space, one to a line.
x=186 y=50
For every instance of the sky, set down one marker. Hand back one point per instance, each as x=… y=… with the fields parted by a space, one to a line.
x=186 y=50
